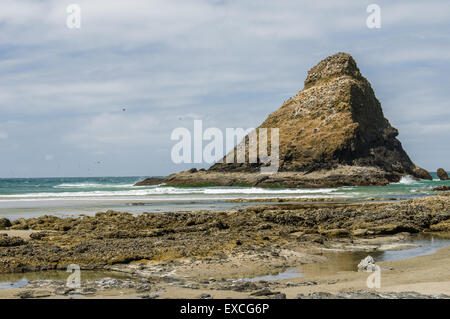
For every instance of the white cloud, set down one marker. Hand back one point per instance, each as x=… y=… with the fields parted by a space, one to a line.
x=3 y=136
x=115 y=130
x=229 y=63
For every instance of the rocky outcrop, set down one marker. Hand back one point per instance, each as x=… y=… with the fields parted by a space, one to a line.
x=4 y=223
x=442 y=174
x=421 y=173
x=340 y=176
x=150 y=181
x=441 y=188
x=6 y=241
x=334 y=124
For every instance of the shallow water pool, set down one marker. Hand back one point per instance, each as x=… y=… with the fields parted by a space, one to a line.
x=348 y=261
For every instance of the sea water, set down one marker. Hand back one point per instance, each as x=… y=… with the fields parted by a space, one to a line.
x=67 y=196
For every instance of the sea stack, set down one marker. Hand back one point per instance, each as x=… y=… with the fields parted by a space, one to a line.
x=331 y=133
x=442 y=174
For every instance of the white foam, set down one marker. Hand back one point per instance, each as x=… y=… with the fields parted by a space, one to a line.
x=407 y=180
x=170 y=191
x=255 y=190
x=174 y=199
x=91 y=185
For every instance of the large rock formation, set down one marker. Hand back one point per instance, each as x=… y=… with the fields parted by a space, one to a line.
x=442 y=174
x=331 y=133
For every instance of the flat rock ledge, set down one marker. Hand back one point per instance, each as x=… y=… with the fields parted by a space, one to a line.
x=340 y=176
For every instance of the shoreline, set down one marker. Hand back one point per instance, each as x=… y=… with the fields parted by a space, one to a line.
x=184 y=253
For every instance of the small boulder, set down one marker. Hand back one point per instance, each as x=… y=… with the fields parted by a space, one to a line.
x=367 y=264
x=421 y=173
x=88 y=291
x=442 y=174
x=441 y=188
x=4 y=223
x=38 y=235
x=25 y=294
x=152 y=295
x=6 y=241
x=63 y=291
x=20 y=224
x=263 y=292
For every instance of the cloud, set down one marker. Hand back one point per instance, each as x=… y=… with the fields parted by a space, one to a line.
x=230 y=63
x=115 y=130
x=3 y=136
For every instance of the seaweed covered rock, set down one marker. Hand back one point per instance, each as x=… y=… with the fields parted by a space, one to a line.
x=4 y=223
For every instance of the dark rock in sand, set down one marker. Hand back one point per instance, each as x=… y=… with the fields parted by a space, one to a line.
x=38 y=235
x=331 y=133
x=4 y=223
x=27 y=294
x=19 y=224
x=442 y=174
x=6 y=241
x=441 y=188
x=152 y=295
x=263 y=292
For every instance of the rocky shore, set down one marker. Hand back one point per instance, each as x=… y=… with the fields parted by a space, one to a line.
x=186 y=249
x=110 y=238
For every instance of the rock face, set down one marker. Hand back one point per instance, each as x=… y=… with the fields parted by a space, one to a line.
x=334 y=124
x=442 y=174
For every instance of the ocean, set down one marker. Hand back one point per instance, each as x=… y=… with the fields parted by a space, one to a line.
x=67 y=196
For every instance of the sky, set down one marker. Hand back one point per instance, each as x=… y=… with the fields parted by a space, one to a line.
x=103 y=99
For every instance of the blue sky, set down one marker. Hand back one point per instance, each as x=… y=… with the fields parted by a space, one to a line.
x=229 y=63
